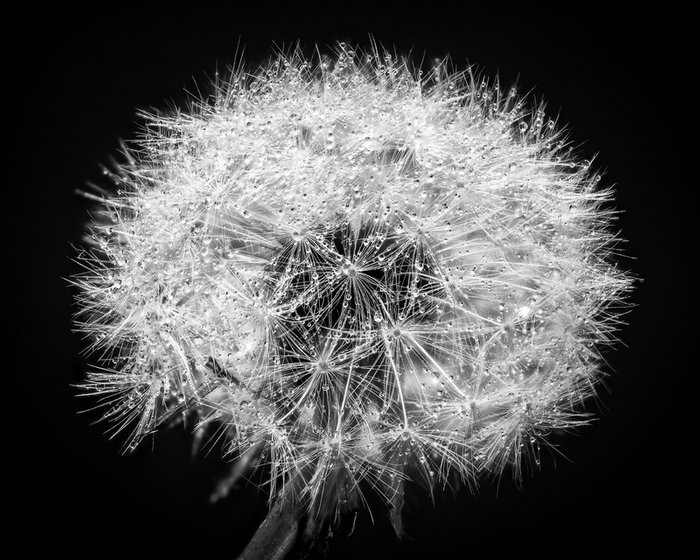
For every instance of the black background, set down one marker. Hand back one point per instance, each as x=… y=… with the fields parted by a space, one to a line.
x=618 y=77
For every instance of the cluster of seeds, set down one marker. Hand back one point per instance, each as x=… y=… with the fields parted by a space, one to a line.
x=353 y=272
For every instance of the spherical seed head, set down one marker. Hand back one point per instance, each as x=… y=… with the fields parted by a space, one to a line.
x=359 y=271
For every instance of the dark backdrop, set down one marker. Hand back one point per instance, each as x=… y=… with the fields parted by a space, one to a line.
x=75 y=77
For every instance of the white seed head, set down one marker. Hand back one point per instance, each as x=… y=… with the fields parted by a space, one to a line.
x=355 y=272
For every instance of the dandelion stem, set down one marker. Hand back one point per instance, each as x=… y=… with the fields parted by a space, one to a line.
x=278 y=532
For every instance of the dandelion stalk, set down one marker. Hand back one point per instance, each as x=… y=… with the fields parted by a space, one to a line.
x=353 y=273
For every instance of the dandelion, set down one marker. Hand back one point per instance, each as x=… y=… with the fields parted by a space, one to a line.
x=355 y=274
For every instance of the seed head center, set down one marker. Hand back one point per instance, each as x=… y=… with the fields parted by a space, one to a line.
x=351 y=271
x=322 y=366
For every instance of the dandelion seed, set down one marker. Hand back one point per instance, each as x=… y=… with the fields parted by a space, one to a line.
x=357 y=275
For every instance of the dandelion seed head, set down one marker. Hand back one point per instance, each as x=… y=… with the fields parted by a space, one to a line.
x=354 y=267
